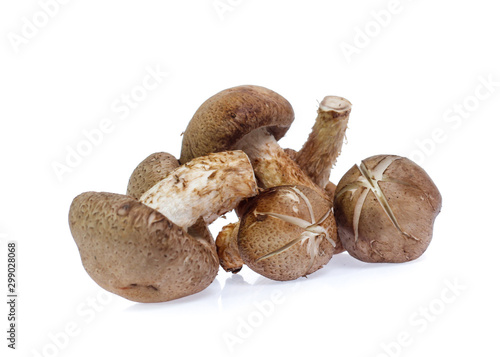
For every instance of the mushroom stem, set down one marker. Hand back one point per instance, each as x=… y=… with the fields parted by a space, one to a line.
x=320 y=151
x=272 y=165
x=207 y=187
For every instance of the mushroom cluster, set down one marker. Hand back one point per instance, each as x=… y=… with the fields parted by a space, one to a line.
x=153 y=243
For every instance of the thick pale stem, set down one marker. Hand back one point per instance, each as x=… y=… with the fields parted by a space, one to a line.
x=273 y=167
x=206 y=187
x=320 y=151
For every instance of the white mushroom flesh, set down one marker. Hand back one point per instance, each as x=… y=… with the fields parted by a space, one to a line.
x=207 y=187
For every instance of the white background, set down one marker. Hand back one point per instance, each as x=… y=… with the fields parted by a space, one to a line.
x=407 y=80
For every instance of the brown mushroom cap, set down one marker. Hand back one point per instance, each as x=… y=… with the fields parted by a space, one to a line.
x=263 y=232
x=149 y=172
x=222 y=120
x=134 y=251
x=385 y=209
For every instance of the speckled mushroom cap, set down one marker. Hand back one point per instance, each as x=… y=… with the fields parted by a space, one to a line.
x=222 y=120
x=151 y=170
x=134 y=251
x=266 y=227
x=385 y=209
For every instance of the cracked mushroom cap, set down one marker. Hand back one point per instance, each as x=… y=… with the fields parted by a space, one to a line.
x=134 y=251
x=385 y=209
x=222 y=120
x=288 y=232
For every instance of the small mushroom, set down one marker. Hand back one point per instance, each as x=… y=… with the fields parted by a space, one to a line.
x=287 y=232
x=227 y=248
x=385 y=209
x=142 y=250
x=330 y=190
